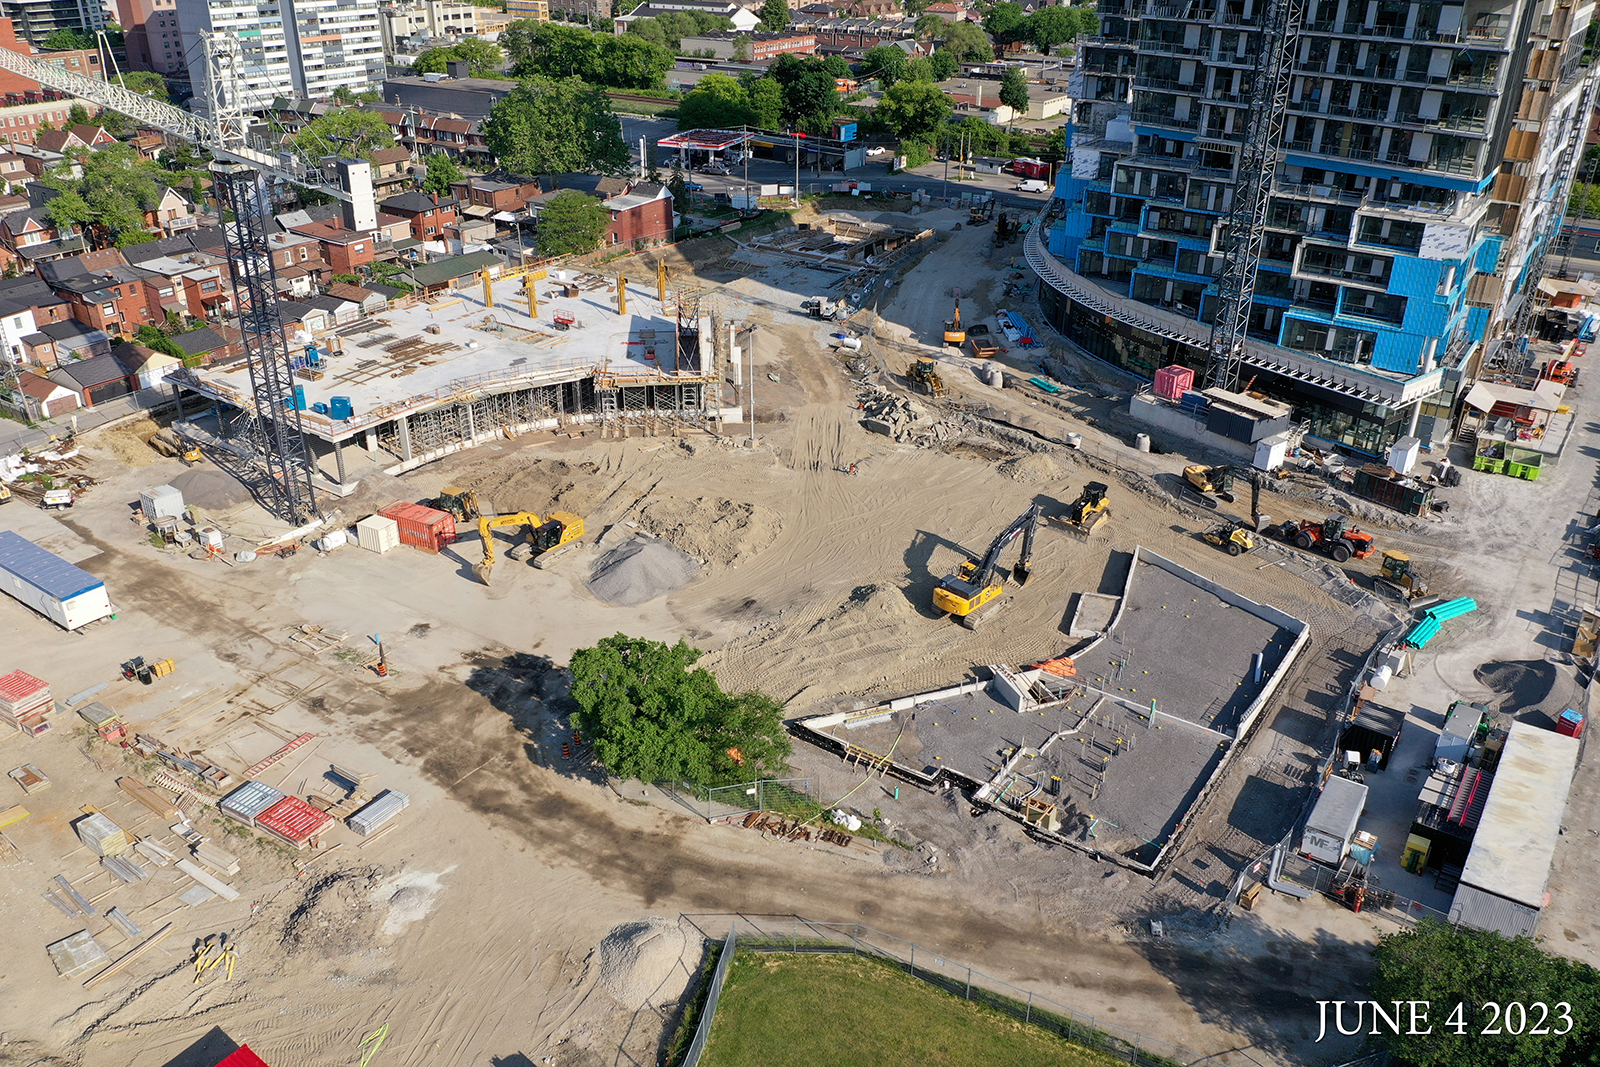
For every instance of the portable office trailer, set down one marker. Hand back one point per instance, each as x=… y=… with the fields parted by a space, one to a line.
x=1333 y=821
x=67 y=595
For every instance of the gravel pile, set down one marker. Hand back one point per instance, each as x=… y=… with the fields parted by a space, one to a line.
x=641 y=570
x=637 y=961
x=210 y=490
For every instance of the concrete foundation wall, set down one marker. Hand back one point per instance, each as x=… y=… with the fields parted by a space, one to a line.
x=1163 y=416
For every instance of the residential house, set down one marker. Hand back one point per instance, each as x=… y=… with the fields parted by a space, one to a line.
x=172 y=214
x=206 y=292
x=346 y=250
x=205 y=345
x=297 y=316
x=29 y=237
x=74 y=138
x=204 y=240
x=389 y=293
x=641 y=217
x=456 y=272
x=114 y=299
x=948 y=11
x=458 y=138
x=470 y=98
x=43 y=398
x=496 y=191
x=95 y=380
x=392 y=170
x=368 y=301
x=37 y=161
x=342 y=311
x=146 y=366
x=61 y=342
x=428 y=215
x=10 y=203
x=13 y=168
x=26 y=304
x=148 y=143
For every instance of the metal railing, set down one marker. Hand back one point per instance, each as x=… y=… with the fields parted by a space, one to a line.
x=1032 y=1009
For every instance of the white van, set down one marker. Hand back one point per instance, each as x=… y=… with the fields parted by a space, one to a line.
x=1033 y=185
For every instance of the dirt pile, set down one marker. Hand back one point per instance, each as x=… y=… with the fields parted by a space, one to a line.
x=335 y=914
x=715 y=530
x=210 y=490
x=879 y=604
x=129 y=442
x=641 y=570
x=1521 y=684
x=638 y=959
x=536 y=485
x=1033 y=468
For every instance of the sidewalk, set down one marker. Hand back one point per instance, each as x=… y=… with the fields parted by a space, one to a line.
x=14 y=436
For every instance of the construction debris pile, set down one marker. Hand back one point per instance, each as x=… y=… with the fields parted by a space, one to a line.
x=904 y=420
x=638 y=959
x=29 y=475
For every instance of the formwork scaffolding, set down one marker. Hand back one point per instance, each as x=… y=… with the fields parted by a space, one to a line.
x=462 y=423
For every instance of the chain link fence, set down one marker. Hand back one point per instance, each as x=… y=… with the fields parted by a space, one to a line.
x=786 y=796
x=802 y=936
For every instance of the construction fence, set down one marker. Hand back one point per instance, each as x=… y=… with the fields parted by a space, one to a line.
x=800 y=935
x=787 y=796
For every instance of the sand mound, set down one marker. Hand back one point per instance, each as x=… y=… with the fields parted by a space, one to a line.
x=1521 y=683
x=722 y=531
x=640 y=570
x=1033 y=467
x=129 y=442
x=210 y=490
x=638 y=959
x=871 y=603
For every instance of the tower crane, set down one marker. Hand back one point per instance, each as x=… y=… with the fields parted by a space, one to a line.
x=277 y=443
x=1241 y=233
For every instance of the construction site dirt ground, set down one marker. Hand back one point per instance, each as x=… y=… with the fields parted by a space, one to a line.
x=474 y=930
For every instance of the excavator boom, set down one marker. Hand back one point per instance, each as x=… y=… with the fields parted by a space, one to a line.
x=976 y=582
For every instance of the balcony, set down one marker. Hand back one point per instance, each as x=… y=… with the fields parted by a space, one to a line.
x=1150 y=82
x=1174 y=48
x=1320 y=192
x=1156 y=118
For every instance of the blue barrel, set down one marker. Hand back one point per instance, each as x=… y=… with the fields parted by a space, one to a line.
x=339 y=407
x=320 y=408
x=299 y=398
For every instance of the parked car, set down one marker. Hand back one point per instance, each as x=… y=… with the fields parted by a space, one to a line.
x=878 y=151
x=714 y=168
x=694 y=187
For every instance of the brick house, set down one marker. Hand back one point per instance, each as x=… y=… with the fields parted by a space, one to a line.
x=80 y=137
x=96 y=380
x=722 y=44
x=207 y=344
x=104 y=292
x=205 y=292
x=61 y=342
x=345 y=251
x=641 y=217
x=427 y=214
x=28 y=237
x=494 y=192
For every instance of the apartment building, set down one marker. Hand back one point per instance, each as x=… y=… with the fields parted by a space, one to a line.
x=292 y=48
x=1427 y=152
x=37 y=19
x=154 y=40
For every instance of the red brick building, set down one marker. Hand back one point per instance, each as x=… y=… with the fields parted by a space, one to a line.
x=428 y=215
x=498 y=191
x=641 y=217
x=343 y=250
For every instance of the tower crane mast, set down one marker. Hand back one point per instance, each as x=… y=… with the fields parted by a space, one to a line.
x=282 y=457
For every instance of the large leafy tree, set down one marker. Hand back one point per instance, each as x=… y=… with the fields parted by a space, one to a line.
x=1455 y=972
x=651 y=714
x=775 y=15
x=766 y=102
x=914 y=109
x=629 y=62
x=1014 y=90
x=559 y=52
x=571 y=223
x=484 y=60
x=145 y=83
x=348 y=132
x=67 y=40
x=1005 y=21
x=109 y=197
x=1052 y=26
x=550 y=126
x=718 y=102
x=517 y=40
x=809 y=91
x=930 y=27
x=442 y=173
x=885 y=62
x=968 y=43
x=943 y=65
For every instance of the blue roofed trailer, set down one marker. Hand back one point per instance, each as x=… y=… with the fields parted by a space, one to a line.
x=66 y=594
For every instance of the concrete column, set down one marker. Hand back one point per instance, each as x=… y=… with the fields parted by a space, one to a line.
x=177 y=397
x=338 y=459
x=1416 y=413
x=403 y=423
x=472 y=425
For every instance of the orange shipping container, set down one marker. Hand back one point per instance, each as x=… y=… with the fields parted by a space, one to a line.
x=422 y=527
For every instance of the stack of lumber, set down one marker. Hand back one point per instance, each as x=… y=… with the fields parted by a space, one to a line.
x=150 y=798
x=24 y=701
x=104 y=837
x=125 y=871
x=30 y=778
x=215 y=858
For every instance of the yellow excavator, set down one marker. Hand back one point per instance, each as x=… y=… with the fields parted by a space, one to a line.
x=1088 y=511
x=954 y=332
x=547 y=538
x=970 y=593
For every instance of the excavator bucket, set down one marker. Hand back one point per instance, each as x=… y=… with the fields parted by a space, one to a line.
x=1021 y=572
x=482 y=571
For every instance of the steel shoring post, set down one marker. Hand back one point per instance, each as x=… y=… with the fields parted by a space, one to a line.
x=278 y=432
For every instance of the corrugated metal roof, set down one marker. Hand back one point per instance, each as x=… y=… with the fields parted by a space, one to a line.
x=250 y=800
x=294 y=819
x=1339 y=806
x=43 y=569
x=1485 y=911
x=19 y=685
x=1516 y=837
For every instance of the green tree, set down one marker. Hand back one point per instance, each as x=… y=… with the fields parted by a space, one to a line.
x=559 y=52
x=930 y=28
x=809 y=91
x=651 y=714
x=67 y=40
x=550 y=126
x=110 y=195
x=919 y=69
x=1088 y=20
x=442 y=173
x=718 y=102
x=145 y=83
x=1050 y=26
x=766 y=102
x=775 y=15
x=944 y=65
x=837 y=66
x=517 y=40
x=1014 y=90
x=743 y=50
x=625 y=7
x=915 y=8
x=967 y=43
x=886 y=63
x=1584 y=200
x=650 y=30
x=484 y=60
x=678 y=186
x=347 y=132
x=913 y=109
x=629 y=62
x=571 y=224
x=77 y=115
x=1457 y=971
x=1005 y=21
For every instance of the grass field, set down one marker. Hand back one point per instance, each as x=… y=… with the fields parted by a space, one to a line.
x=783 y=1010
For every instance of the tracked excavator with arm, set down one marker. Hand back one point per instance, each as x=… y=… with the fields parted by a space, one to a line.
x=971 y=594
x=546 y=537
